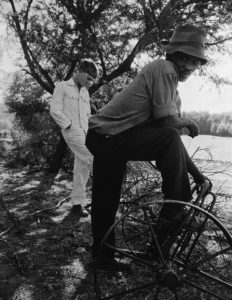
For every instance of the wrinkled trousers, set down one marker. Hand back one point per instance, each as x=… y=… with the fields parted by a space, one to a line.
x=75 y=139
x=147 y=143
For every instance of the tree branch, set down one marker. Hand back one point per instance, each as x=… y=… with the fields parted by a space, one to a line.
x=21 y=34
x=143 y=42
x=26 y=14
x=165 y=14
x=219 y=42
x=42 y=71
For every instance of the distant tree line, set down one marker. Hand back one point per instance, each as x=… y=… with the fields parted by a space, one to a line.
x=218 y=124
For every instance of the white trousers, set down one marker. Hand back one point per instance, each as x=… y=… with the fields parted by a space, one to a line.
x=75 y=139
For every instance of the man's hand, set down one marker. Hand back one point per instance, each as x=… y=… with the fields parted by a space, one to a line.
x=193 y=129
x=69 y=126
x=179 y=123
x=203 y=181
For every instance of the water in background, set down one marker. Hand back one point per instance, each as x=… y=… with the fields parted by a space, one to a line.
x=219 y=147
x=214 y=158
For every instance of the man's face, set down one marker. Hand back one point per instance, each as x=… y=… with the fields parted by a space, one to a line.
x=186 y=65
x=84 y=79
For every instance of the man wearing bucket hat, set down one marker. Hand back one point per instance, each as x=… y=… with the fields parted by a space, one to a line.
x=142 y=123
x=187 y=39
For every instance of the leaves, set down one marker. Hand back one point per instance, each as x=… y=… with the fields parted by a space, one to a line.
x=56 y=34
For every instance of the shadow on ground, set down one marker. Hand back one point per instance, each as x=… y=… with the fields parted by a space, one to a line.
x=47 y=255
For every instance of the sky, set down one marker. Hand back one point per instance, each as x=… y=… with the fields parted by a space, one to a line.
x=200 y=95
x=197 y=93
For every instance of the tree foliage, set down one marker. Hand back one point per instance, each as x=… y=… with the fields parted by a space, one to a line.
x=55 y=34
x=35 y=134
x=25 y=97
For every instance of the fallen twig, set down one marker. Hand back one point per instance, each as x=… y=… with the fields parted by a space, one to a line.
x=14 y=255
x=13 y=218
x=51 y=208
x=6 y=231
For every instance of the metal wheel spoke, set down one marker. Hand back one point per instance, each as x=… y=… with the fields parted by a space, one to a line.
x=156 y=296
x=200 y=260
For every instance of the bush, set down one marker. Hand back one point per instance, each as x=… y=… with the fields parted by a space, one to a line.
x=34 y=133
x=35 y=147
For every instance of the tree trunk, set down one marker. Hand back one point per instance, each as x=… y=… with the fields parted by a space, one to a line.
x=58 y=156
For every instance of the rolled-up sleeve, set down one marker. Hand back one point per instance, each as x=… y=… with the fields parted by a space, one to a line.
x=57 y=107
x=162 y=111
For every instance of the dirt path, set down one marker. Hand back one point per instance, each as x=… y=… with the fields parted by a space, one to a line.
x=47 y=258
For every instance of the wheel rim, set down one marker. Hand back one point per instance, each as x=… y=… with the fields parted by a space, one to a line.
x=180 y=271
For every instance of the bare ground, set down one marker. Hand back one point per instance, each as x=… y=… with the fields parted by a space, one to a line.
x=44 y=255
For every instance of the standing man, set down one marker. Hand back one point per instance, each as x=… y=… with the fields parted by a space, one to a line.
x=70 y=108
x=142 y=123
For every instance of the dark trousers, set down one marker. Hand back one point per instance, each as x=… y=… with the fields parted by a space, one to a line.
x=160 y=144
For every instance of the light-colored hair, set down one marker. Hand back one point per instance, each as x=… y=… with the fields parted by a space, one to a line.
x=88 y=65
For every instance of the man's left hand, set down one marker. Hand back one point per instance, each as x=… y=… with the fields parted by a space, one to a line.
x=202 y=179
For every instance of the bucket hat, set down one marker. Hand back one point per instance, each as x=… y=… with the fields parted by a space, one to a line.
x=188 y=39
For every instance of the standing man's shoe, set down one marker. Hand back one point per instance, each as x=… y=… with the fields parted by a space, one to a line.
x=79 y=211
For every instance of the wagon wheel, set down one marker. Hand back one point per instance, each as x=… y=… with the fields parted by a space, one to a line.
x=202 y=194
x=188 y=264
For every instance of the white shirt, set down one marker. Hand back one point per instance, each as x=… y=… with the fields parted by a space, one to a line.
x=69 y=106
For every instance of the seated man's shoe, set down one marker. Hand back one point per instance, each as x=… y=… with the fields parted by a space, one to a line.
x=79 y=211
x=196 y=224
x=193 y=223
x=110 y=265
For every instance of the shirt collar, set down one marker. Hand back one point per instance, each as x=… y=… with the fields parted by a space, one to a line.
x=70 y=82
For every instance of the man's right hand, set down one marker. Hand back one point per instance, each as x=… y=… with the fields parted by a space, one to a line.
x=179 y=123
x=69 y=126
x=193 y=129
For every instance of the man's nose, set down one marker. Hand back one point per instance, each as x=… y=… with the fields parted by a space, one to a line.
x=191 y=67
